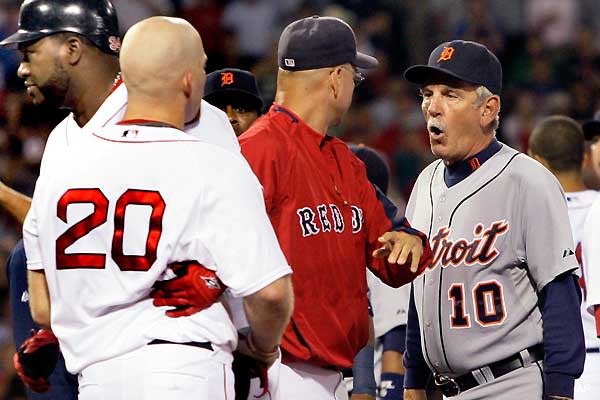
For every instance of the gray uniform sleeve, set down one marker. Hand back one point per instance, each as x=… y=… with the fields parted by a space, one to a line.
x=549 y=249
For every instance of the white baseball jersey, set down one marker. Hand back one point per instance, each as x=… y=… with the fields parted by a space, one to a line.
x=579 y=204
x=111 y=217
x=212 y=127
x=591 y=257
x=390 y=305
x=498 y=236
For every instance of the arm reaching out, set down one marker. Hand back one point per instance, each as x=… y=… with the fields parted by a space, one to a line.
x=15 y=203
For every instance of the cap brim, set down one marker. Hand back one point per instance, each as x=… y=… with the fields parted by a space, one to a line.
x=365 y=62
x=224 y=95
x=13 y=40
x=421 y=74
x=591 y=129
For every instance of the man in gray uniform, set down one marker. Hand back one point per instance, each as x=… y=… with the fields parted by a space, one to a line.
x=496 y=316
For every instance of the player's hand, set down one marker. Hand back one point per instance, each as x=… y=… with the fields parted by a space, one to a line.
x=415 y=394
x=398 y=246
x=245 y=368
x=194 y=289
x=247 y=346
x=36 y=359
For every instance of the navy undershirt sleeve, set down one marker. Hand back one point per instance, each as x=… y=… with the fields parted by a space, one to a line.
x=564 y=342
x=417 y=371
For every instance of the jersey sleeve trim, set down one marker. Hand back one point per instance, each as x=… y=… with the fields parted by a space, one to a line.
x=255 y=287
x=565 y=270
x=35 y=265
x=597 y=317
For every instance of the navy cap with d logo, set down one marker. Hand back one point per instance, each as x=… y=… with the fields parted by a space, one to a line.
x=468 y=61
x=232 y=86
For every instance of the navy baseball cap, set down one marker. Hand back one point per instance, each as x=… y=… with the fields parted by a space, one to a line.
x=232 y=86
x=320 y=42
x=468 y=61
x=591 y=128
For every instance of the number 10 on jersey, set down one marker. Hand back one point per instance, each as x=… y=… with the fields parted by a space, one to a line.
x=488 y=303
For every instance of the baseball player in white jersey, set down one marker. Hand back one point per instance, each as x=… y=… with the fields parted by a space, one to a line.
x=109 y=221
x=591 y=255
x=82 y=80
x=558 y=143
x=496 y=316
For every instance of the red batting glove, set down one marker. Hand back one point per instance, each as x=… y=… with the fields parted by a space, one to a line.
x=36 y=359
x=194 y=289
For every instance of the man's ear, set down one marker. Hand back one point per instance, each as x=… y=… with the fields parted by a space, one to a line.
x=73 y=49
x=490 y=111
x=335 y=81
x=187 y=83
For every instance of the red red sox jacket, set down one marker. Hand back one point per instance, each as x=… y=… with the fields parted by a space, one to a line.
x=327 y=217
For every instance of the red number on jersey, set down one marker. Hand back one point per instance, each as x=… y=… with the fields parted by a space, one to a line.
x=141 y=197
x=80 y=229
x=97 y=218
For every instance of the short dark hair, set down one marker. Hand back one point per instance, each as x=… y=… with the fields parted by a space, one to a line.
x=559 y=140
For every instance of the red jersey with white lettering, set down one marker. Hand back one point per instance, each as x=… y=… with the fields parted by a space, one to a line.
x=327 y=217
x=116 y=213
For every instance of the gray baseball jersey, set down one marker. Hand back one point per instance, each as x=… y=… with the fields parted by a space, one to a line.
x=498 y=237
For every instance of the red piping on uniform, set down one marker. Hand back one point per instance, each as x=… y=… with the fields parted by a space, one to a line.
x=117 y=83
x=225 y=381
x=597 y=315
x=137 y=121
x=146 y=141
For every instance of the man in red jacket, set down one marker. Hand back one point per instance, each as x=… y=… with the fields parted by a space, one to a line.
x=330 y=221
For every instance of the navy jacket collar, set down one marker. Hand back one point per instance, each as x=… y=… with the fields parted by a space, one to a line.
x=454 y=173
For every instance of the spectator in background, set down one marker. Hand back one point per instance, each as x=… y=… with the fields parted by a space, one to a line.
x=132 y=11
x=556 y=21
x=519 y=123
x=9 y=60
x=253 y=22
x=479 y=25
x=206 y=17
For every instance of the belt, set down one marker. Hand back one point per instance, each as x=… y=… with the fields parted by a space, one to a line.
x=454 y=386
x=202 y=345
x=593 y=350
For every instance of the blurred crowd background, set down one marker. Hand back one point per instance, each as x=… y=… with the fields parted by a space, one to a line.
x=549 y=49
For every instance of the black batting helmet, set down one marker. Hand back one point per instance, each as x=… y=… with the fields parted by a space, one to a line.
x=95 y=20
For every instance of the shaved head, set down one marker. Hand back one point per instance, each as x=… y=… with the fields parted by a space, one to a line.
x=162 y=57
